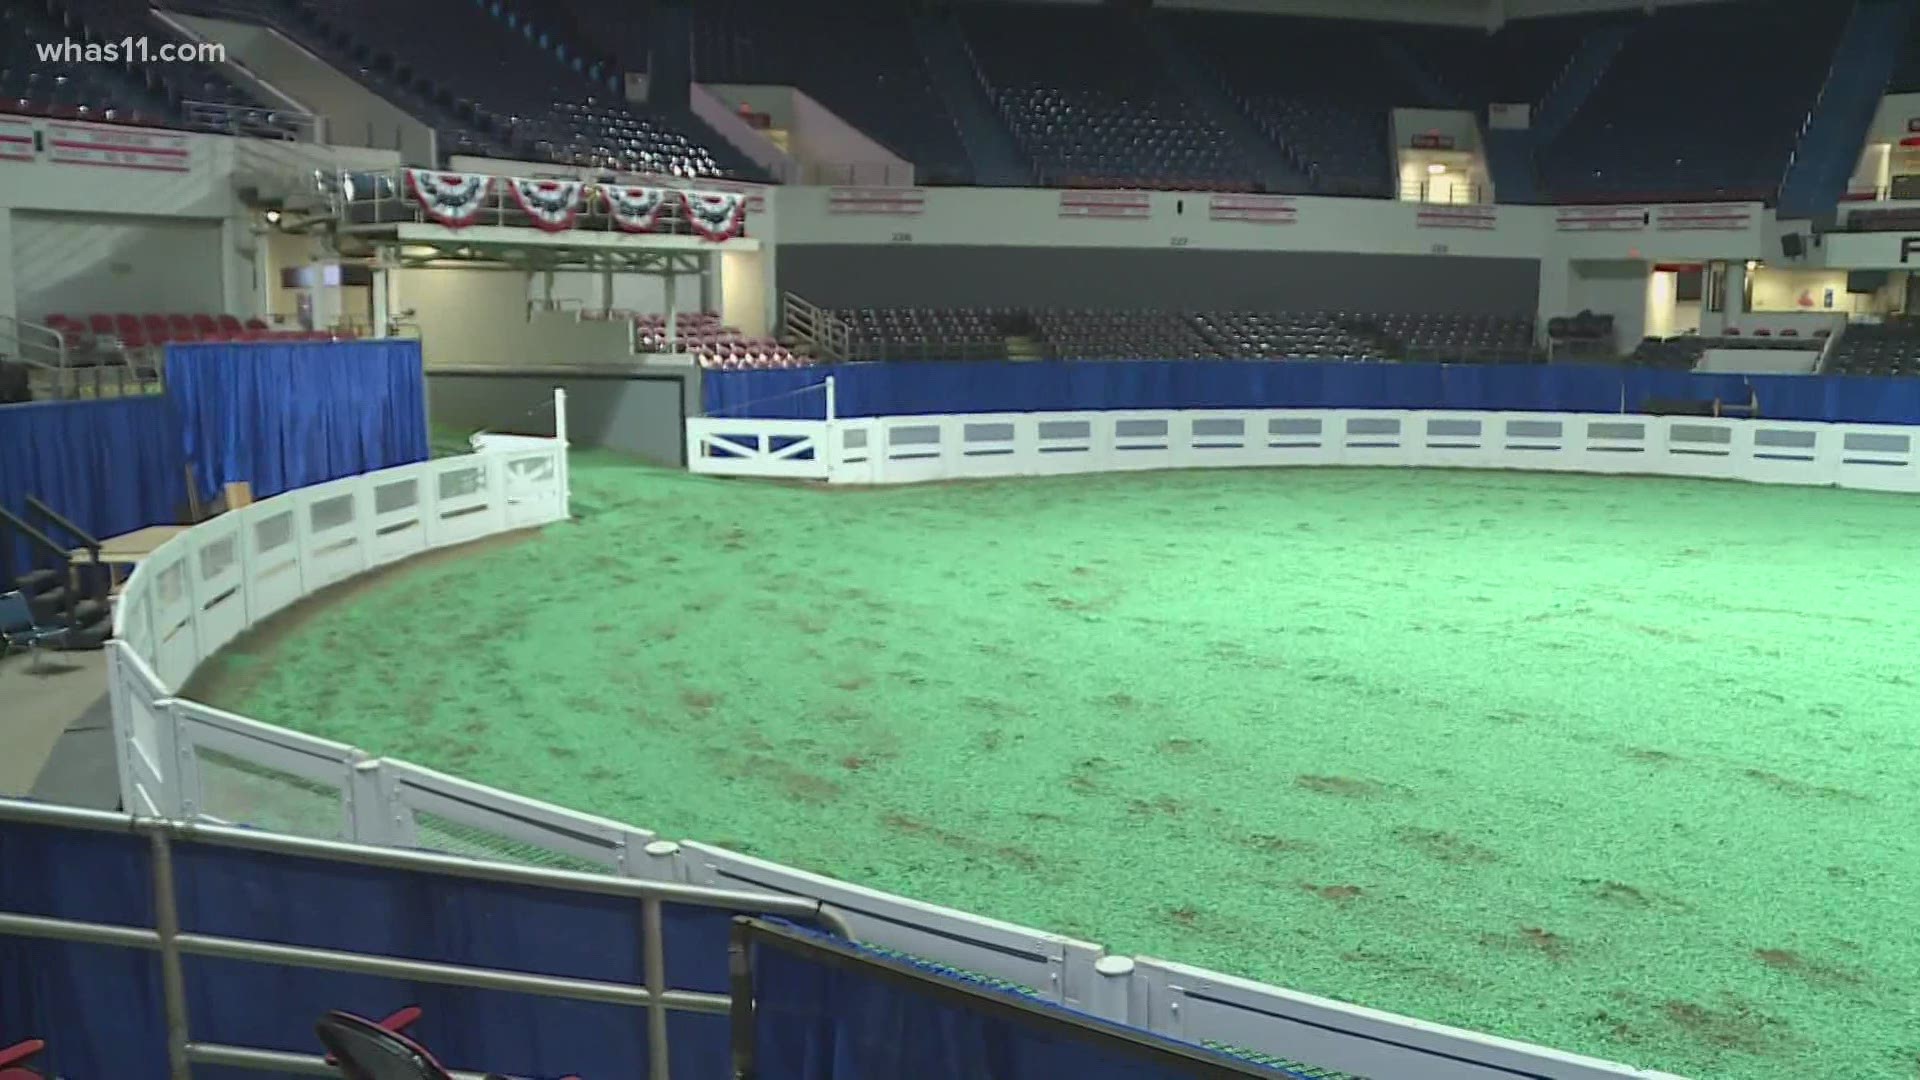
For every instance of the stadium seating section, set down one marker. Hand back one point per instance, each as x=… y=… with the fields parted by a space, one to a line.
x=1698 y=105
x=163 y=95
x=1702 y=101
x=712 y=345
x=105 y=333
x=1087 y=100
x=1888 y=349
x=1086 y=334
x=489 y=88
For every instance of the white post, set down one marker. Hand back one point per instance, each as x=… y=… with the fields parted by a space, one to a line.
x=831 y=434
x=673 y=315
x=560 y=436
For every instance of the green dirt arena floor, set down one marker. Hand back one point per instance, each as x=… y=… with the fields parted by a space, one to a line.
x=1626 y=767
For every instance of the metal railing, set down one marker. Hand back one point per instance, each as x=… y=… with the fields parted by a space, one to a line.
x=1450 y=194
x=252 y=122
x=89 y=365
x=826 y=334
x=173 y=944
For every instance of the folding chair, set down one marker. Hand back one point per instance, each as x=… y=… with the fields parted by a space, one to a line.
x=20 y=630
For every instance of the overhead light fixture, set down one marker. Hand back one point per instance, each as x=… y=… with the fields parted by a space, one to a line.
x=273 y=217
x=1436 y=169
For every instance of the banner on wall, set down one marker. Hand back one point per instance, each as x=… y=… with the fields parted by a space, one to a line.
x=1457 y=217
x=118 y=148
x=552 y=204
x=16 y=139
x=1703 y=217
x=896 y=202
x=1106 y=204
x=451 y=199
x=1600 y=218
x=1263 y=209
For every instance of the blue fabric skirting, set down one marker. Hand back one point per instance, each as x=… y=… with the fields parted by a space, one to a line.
x=918 y=388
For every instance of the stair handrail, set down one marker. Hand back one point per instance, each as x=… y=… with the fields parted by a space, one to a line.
x=86 y=540
x=11 y=523
x=39 y=346
x=829 y=335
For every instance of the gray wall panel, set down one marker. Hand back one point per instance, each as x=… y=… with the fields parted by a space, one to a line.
x=951 y=276
x=637 y=413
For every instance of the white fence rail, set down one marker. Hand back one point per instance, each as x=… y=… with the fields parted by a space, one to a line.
x=906 y=449
x=178 y=758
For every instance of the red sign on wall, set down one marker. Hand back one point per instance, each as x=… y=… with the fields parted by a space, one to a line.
x=16 y=140
x=118 y=148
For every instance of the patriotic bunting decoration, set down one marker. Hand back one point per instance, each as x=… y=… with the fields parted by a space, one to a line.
x=552 y=204
x=452 y=199
x=635 y=209
x=555 y=205
x=716 y=215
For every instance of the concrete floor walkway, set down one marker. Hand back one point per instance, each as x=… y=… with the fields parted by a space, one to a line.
x=56 y=738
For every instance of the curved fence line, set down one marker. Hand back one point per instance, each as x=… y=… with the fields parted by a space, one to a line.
x=907 y=449
x=181 y=759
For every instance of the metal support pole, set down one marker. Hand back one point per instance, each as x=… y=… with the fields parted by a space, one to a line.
x=173 y=983
x=653 y=940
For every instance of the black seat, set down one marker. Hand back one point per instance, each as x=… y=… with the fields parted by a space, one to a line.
x=366 y=1051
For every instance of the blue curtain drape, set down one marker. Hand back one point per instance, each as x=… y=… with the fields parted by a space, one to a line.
x=100 y=1008
x=282 y=416
x=816 y=1020
x=112 y=466
x=908 y=389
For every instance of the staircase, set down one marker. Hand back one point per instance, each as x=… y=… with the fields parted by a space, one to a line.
x=1274 y=170
x=73 y=605
x=997 y=160
x=1576 y=83
x=1510 y=164
x=1836 y=127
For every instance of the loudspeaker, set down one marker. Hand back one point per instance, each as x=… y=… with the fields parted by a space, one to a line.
x=1792 y=245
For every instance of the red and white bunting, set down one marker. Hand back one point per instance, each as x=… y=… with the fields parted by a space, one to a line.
x=752 y=194
x=894 y=202
x=1265 y=209
x=1600 y=218
x=716 y=215
x=118 y=148
x=16 y=139
x=1106 y=204
x=452 y=199
x=1703 y=217
x=552 y=204
x=1457 y=217
x=634 y=209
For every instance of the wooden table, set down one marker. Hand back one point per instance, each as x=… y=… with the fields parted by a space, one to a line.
x=130 y=548
x=118 y=553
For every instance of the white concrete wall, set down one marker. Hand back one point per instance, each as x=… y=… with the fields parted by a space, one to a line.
x=355 y=116
x=479 y=317
x=746 y=303
x=1612 y=287
x=80 y=264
